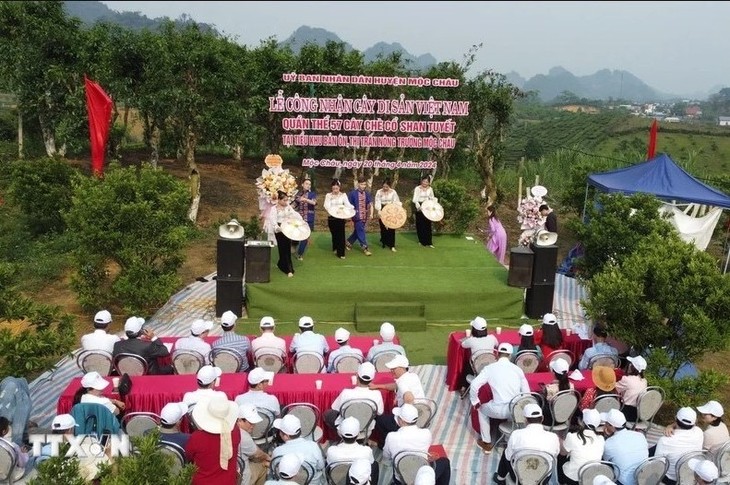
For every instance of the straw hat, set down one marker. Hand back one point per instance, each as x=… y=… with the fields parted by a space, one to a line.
x=604 y=378
x=218 y=416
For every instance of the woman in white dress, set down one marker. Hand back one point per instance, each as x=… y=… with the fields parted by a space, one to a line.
x=386 y=195
x=421 y=194
x=336 y=225
x=277 y=215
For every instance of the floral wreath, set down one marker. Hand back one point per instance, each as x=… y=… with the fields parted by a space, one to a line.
x=275 y=179
x=530 y=219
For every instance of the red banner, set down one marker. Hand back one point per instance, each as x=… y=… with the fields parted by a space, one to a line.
x=99 y=107
x=652 y=140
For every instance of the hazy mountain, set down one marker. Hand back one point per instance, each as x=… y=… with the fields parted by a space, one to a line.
x=603 y=84
x=312 y=35
x=515 y=79
x=92 y=12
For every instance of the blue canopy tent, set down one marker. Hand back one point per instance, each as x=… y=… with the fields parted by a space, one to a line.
x=663 y=178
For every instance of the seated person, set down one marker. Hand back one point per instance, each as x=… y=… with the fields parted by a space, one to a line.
x=527 y=342
x=387 y=334
x=716 y=433
x=600 y=347
x=99 y=339
x=22 y=454
x=350 y=450
x=631 y=385
x=143 y=342
x=410 y=437
x=549 y=337
x=685 y=437
x=625 y=448
x=289 y=467
x=307 y=340
x=206 y=376
x=267 y=338
x=360 y=473
x=342 y=337
x=559 y=368
x=604 y=382
x=198 y=331
x=365 y=375
x=706 y=472
x=480 y=339
x=232 y=341
x=289 y=430
x=258 y=381
x=533 y=437
x=65 y=424
x=255 y=459
x=92 y=385
x=170 y=418
x=582 y=444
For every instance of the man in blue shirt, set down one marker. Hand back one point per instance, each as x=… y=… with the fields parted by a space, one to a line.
x=600 y=347
x=232 y=341
x=362 y=201
x=624 y=448
x=290 y=432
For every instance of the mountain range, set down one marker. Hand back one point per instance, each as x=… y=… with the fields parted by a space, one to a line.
x=603 y=84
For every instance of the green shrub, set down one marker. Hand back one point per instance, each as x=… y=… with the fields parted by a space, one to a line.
x=460 y=209
x=130 y=229
x=42 y=190
x=59 y=470
x=691 y=391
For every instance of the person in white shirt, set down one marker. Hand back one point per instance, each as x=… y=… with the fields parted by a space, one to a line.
x=92 y=385
x=387 y=333
x=631 y=385
x=289 y=467
x=716 y=433
x=206 y=376
x=581 y=445
x=706 y=472
x=307 y=340
x=256 y=461
x=407 y=387
x=350 y=450
x=410 y=437
x=267 y=338
x=332 y=200
x=365 y=375
x=421 y=194
x=685 y=438
x=198 y=331
x=342 y=337
x=359 y=473
x=99 y=339
x=383 y=197
x=533 y=437
x=506 y=381
x=258 y=381
x=290 y=430
x=479 y=339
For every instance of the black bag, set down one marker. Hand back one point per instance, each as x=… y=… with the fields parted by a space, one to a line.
x=125 y=385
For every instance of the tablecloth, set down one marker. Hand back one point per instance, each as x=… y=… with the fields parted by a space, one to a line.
x=457 y=358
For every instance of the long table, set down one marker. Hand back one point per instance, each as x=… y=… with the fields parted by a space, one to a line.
x=151 y=393
x=457 y=358
x=536 y=381
x=362 y=342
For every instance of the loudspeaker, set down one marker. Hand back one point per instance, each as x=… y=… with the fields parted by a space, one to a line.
x=544 y=264
x=228 y=296
x=539 y=300
x=520 y=267
x=258 y=262
x=229 y=259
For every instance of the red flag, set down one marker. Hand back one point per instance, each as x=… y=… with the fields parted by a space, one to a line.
x=652 y=140
x=99 y=107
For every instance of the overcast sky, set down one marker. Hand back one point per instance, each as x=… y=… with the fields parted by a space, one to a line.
x=675 y=47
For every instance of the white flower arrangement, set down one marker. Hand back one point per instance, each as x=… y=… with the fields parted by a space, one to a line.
x=528 y=215
x=273 y=180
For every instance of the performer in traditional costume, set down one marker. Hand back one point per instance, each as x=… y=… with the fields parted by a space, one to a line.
x=332 y=202
x=362 y=201
x=305 y=201
x=276 y=216
x=422 y=193
x=496 y=235
x=386 y=195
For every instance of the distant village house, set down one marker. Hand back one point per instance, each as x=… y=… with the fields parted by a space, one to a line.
x=723 y=120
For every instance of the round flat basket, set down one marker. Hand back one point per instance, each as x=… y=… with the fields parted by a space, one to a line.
x=393 y=216
x=295 y=229
x=432 y=210
x=341 y=212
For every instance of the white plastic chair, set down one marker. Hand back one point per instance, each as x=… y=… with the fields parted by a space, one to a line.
x=722 y=461
x=131 y=364
x=381 y=358
x=605 y=360
x=347 y=363
x=564 y=354
x=532 y=467
x=605 y=402
x=592 y=469
x=647 y=405
x=308 y=415
x=562 y=406
x=517 y=414
x=304 y=477
x=99 y=361
x=527 y=361
x=308 y=363
x=9 y=472
x=176 y=452
x=138 y=423
x=364 y=410
x=337 y=472
x=684 y=474
x=229 y=361
x=406 y=465
x=261 y=433
x=651 y=471
x=271 y=359
x=426 y=411
x=187 y=362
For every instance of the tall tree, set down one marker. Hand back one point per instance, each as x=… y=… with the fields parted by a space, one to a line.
x=39 y=63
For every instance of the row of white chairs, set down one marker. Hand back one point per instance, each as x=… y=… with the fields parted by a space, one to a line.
x=190 y=361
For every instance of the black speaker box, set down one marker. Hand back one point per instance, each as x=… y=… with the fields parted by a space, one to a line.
x=228 y=296
x=258 y=262
x=539 y=300
x=544 y=264
x=520 y=267
x=230 y=258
